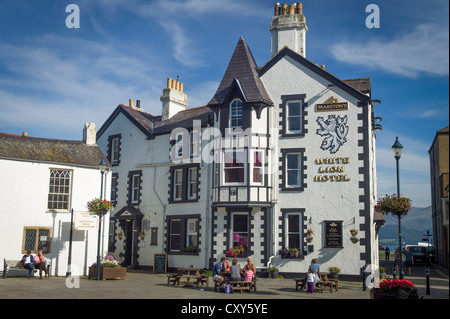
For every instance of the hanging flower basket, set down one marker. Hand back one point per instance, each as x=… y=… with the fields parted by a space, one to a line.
x=99 y=207
x=393 y=204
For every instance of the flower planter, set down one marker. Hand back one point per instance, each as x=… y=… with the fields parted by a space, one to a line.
x=273 y=274
x=108 y=272
x=376 y=294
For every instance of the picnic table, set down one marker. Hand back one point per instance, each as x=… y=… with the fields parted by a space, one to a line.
x=188 y=277
x=324 y=283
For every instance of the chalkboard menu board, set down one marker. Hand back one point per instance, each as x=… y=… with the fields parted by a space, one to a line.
x=160 y=264
x=333 y=234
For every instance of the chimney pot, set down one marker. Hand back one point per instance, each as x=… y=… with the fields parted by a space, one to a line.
x=169 y=82
x=25 y=134
x=292 y=9
x=131 y=103
x=277 y=9
x=138 y=104
x=284 y=7
x=299 y=8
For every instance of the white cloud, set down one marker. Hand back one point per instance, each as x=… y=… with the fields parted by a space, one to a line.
x=423 y=50
x=59 y=87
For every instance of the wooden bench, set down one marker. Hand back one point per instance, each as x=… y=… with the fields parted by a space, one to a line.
x=300 y=283
x=323 y=285
x=247 y=285
x=320 y=285
x=330 y=282
x=242 y=285
x=203 y=279
x=175 y=279
x=12 y=268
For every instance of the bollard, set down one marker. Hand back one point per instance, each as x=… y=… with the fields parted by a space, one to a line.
x=427 y=275
x=365 y=275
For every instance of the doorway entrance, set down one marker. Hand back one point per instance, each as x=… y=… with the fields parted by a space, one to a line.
x=130 y=221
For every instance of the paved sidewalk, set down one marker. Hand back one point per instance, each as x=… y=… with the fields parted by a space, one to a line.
x=145 y=285
x=141 y=285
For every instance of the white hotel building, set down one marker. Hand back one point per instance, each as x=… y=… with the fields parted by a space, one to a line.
x=306 y=162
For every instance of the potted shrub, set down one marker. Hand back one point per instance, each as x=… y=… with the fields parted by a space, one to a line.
x=273 y=272
x=353 y=231
x=334 y=272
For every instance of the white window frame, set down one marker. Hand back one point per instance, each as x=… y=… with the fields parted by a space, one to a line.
x=113 y=195
x=192 y=230
x=194 y=143
x=190 y=183
x=54 y=191
x=177 y=196
x=299 y=215
x=135 y=179
x=236 y=115
x=288 y=116
x=299 y=170
x=225 y=169
x=232 y=232
x=115 y=142
x=172 y=235
x=253 y=167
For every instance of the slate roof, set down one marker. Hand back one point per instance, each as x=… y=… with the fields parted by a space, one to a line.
x=49 y=150
x=242 y=67
x=362 y=85
x=152 y=125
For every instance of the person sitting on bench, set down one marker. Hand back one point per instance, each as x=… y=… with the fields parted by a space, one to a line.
x=39 y=263
x=28 y=263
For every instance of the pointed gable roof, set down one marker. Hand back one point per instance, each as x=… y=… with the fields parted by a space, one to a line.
x=242 y=74
x=353 y=88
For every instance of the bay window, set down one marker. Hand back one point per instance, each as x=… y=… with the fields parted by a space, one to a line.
x=234 y=166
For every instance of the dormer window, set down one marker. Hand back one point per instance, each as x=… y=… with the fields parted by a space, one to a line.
x=236 y=114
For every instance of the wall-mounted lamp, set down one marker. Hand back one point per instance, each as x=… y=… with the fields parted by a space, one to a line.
x=377 y=127
x=142 y=235
x=120 y=234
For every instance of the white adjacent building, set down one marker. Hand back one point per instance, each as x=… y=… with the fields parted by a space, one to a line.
x=280 y=150
x=42 y=180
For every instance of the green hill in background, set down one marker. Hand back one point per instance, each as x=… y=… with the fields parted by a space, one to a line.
x=414 y=225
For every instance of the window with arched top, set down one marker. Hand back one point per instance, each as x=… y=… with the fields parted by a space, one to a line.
x=236 y=113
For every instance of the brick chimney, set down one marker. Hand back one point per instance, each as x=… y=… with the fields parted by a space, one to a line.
x=288 y=28
x=173 y=99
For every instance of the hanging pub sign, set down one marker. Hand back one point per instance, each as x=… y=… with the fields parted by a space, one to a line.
x=333 y=234
x=332 y=104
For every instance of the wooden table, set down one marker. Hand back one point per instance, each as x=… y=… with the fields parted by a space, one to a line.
x=182 y=271
x=188 y=277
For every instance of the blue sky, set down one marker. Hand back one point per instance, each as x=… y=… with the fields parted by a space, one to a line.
x=54 y=79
